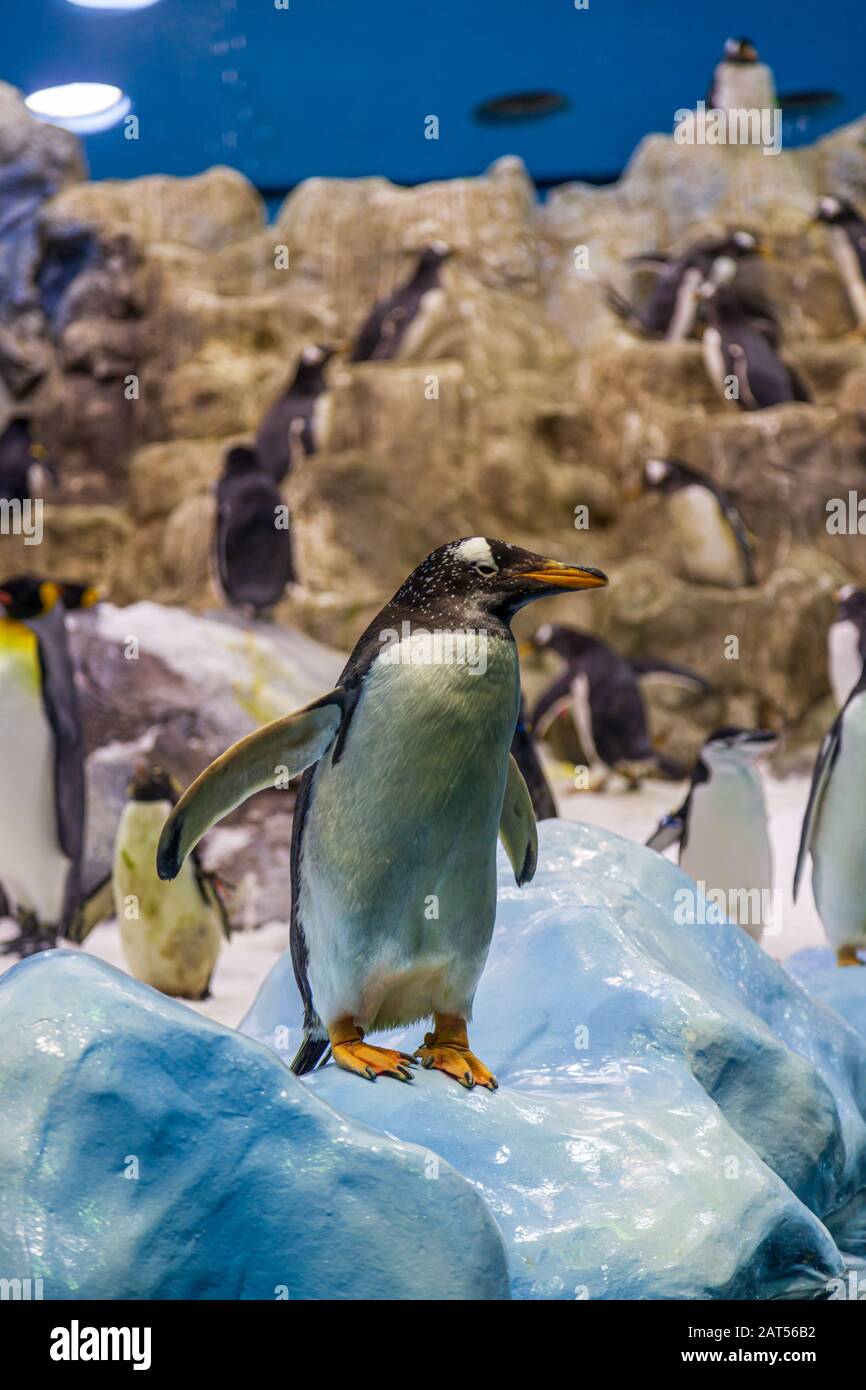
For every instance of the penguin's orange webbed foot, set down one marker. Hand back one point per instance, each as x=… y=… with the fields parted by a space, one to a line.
x=447 y=1049
x=351 y=1052
x=847 y=955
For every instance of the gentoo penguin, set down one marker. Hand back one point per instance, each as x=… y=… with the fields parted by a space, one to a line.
x=846 y=642
x=525 y=754
x=601 y=690
x=384 y=331
x=740 y=344
x=42 y=761
x=252 y=544
x=171 y=932
x=741 y=81
x=714 y=542
x=672 y=306
x=409 y=780
x=833 y=830
x=293 y=422
x=847 y=231
x=22 y=472
x=721 y=827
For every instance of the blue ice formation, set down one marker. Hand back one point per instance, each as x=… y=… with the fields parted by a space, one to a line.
x=843 y=989
x=146 y=1152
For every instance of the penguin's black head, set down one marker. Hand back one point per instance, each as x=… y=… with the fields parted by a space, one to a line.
x=433 y=255
x=152 y=783
x=27 y=596
x=313 y=360
x=740 y=51
x=742 y=243
x=77 y=595
x=732 y=741
x=240 y=459
x=851 y=603
x=667 y=475
x=17 y=433
x=565 y=641
x=474 y=577
x=836 y=211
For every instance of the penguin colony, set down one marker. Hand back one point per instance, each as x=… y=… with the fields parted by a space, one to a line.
x=430 y=763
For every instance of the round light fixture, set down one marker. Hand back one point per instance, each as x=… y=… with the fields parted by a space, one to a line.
x=521 y=106
x=84 y=107
x=113 y=4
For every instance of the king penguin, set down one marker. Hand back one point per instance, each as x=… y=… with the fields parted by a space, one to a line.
x=846 y=642
x=171 y=932
x=252 y=554
x=714 y=542
x=721 y=827
x=42 y=803
x=293 y=424
x=847 y=232
x=672 y=307
x=833 y=830
x=408 y=781
x=740 y=348
x=383 y=334
x=601 y=689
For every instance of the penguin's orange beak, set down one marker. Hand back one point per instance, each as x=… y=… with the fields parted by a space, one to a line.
x=556 y=576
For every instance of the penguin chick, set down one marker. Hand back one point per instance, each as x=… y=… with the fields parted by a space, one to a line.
x=846 y=642
x=408 y=781
x=714 y=542
x=252 y=548
x=847 y=232
x=171 y=932
x=672 y=306
x=601 y=690
x=740 y=349
x=293 y=422
x=42 y=800
x=721 y=827
x=833 y=830
x=384 y=331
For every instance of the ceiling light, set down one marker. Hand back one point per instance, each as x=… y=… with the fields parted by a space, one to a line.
x=521 y=106
x=85 y=107
x=113 y=4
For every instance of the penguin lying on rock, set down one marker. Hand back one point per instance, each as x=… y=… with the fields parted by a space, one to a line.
x=252 y=552
x=383 y=334
x=41 y=764
x=833 y=830
x=408 y=781
x=740 y=349
x=293 y=422
x=715 y=544
x=672 y=307
x=847 y=232
x=846 y=642
x=721 y=827
x=601 y=690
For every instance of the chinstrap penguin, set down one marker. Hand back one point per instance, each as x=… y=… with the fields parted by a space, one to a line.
x=293 y=424
x=383 y=334
x=714 y=542
x=408 y=781
x=252 y=552
x=847 y=231
x=721 y=827
x=846 y=642
x=42 y=798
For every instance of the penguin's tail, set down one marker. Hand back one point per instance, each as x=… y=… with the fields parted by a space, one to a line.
x=309 y=1055
x=620 y=306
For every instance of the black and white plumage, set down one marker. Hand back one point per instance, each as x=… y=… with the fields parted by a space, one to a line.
x=409 y=780
x=846 y=642
x=601 y=690
x=671 y=308
x=847 y=231
x=252 y=543
x=42 y=797
x=833 y=830
x=384 y=331
x=23 y=475
x=740 y=80
x=721 y=827
x=292 y=425
x=715 y=544
x=741 y=345
x=525 y=754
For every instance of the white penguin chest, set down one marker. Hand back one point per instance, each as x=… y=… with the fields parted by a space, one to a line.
x=844 y=659
x=839 y=843
x=709 y=548
x=728 y=844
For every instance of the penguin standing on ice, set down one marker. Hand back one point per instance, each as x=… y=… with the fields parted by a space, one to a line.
x=22 y=473
x=41 y=764
x=847 y=231
x=600 y=689
x=740 y=349
x=672 y=306
x=846 y=642
x=409 y=780
x=171 y=932
x=252 y=555
x=384 y=331
x=714 y=542
x=833 y=830
x=293 y=424
x=721 y=827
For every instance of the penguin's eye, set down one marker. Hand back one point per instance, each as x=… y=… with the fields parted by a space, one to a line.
x=481 y=568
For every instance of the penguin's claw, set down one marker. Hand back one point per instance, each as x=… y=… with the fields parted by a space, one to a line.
x=447 y=1049
x=368 y=1061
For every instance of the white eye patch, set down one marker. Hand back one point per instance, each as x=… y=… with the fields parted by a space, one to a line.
x=655 y=470
x=475 y=551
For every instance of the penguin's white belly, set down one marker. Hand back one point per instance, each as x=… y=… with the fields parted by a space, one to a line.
x=714 y=360
x=743 y=86
x=839 y=840
x=685 y=309
x=33 y=867
x=171 y=936
x=728 y=845
x=844 y=660
x=398 y=861
x=710 y=553
x=848 y=266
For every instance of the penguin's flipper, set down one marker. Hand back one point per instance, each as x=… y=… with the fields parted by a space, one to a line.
x=517 y=828
x=669 y=831
x=824 y=763
x=96 y=908
x=286 y=747
x=667 y=673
